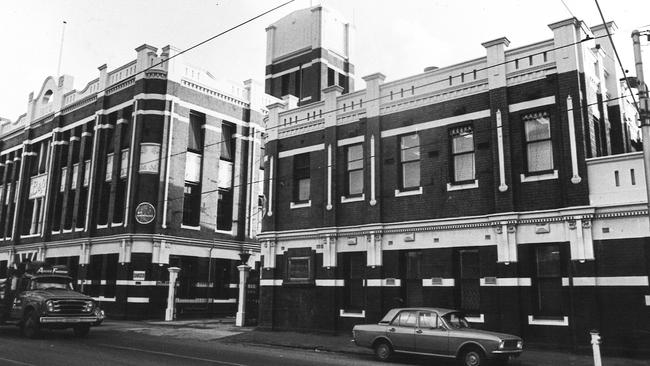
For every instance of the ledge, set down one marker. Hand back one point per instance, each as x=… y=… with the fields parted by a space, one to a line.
x=461 y=186
x=294 y=205
x=564 y=322
x=352 y=314
x=353 y=199
x=413 y=192
x=197 y=228
x=535 y=178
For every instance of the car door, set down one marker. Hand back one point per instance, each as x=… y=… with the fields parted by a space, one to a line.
x=401 y=331
x=431 y=336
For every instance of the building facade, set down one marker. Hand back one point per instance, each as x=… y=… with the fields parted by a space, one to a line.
x=488 y=186
x=151 y=165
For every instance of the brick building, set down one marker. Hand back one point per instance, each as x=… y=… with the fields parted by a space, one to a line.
x=148 y=166
x=488 y=186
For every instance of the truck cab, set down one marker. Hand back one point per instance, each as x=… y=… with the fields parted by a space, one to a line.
x=39 y=296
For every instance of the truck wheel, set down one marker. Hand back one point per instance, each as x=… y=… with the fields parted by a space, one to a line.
x=472 y=357
x=383 y=351
x=81 y=330
x=31 y=327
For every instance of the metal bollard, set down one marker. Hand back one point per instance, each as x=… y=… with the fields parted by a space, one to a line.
x=595 y=346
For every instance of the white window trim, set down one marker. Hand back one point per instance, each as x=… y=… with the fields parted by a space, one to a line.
x=188 y=227
x=102 y=226
x=458 y=187
x=345 y=314
x=79 y=229
x=538 y=177
x=411 y=192
x=345 y=199
x=56 y=232
x=227 y=232
x=30 y=235
x=116 y=224
x=294 y=205
x=564 y=322
x=476 y=319
x=64 y=231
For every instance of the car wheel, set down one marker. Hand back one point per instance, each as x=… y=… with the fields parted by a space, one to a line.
x=31 y=326
x=81 y=330
x=383 y=351
x=472 y=357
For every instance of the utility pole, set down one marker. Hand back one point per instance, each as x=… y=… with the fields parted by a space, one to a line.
x=644 y=109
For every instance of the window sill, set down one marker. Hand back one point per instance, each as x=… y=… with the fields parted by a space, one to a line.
x=353 y=198
x=294 y=205
x=538 y=177
x=461 y=186
x=476 y=319
x=553 y=321
x=115 y=224
x=56 y=232
x=102 y=226
x=411 y=192
x=79 y=229
x=29 y=236
x=227 y=232
x=188 y=227
x=351 y=314
x=66 y=231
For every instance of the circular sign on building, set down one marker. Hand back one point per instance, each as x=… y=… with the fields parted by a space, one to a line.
x=145 y=213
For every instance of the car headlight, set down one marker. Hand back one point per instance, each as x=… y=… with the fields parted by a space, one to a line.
x=520 y=344
x=49 y=304
x=89 y=306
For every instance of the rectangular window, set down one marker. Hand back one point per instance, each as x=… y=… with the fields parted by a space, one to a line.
x=124 y=163
x=299 y=268
x=224 y=209
x=195 y=132
x=284 y=80
x=462 y=151
x=109 y=167
x=410 y=161
x=301 y=178
x=227 y=142
x=75 y=176
x=539 y=150
x=355 y=170
x=548 y=280
x=192 y=204
x=86 y=173
x=470 y=281
x=331 y=77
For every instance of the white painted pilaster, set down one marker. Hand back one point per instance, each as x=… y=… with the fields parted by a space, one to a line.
x=329 y=177
x=502 y=171
x=373 y=199
x=575 y=179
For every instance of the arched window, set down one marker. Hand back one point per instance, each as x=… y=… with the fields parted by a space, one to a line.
x=47 y=97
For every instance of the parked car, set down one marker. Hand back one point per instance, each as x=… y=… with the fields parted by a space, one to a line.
x=435 y=332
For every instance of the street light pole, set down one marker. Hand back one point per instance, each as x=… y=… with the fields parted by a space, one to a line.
x=644 y=108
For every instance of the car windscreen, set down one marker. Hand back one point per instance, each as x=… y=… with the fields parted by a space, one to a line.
x=456 y=320
x=48 y=283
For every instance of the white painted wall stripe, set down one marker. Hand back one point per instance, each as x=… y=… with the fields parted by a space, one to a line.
x=330 y=283
x=135 y=283
x=531 y=104
x=607 y=281
x=436 y=123
x=301 y=150
x=446 y=282
x=270 y=282
x=384 y=282
x=138 y=300
x=104 y=299
x=506 y=282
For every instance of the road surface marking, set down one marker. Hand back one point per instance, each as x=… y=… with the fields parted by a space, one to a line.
x=173 y=355
x=16 y=362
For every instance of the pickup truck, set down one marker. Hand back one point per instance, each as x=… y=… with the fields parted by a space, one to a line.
x=38 y=296
x=435 y=332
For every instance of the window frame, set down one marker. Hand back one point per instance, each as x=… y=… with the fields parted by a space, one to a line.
x=301 y=173
x=461 y=132
x=402 y=162
x=300 y=254
x=539 y=309
x=350 y=171
x=526 y=118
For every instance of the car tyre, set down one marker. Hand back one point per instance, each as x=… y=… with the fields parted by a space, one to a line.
x=31 y=326
x=81 y=330
x=472 y=357
x=383 y=351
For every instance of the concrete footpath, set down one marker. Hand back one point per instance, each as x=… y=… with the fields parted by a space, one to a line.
x=224 y=330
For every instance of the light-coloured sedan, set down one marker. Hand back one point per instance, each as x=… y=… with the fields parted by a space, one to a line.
x=435 y=332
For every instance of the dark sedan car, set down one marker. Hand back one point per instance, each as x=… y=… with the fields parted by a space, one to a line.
x=435 y=332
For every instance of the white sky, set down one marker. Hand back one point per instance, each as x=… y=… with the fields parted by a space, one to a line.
x=397 y=38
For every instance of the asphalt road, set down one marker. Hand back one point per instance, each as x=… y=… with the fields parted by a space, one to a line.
x=106 y=345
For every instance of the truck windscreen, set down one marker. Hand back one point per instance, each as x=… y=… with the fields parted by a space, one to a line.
x=47 y=283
